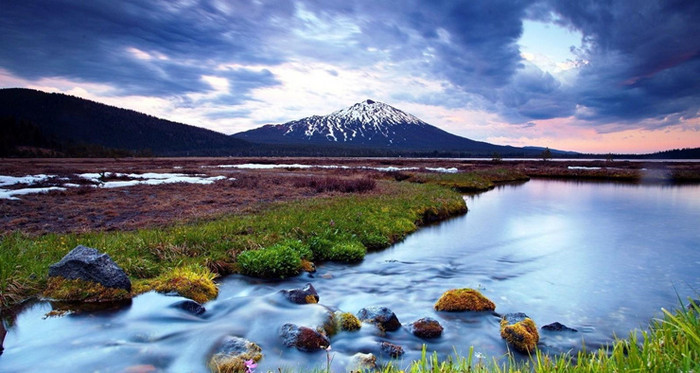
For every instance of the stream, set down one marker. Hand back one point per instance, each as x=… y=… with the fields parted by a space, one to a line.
x=602 y=258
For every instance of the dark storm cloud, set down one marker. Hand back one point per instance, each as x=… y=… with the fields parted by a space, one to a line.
x=90 y=41
x=644 y=58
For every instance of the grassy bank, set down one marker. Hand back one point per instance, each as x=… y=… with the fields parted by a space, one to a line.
x=273 y=242
x=672 y=344
x=472 y=181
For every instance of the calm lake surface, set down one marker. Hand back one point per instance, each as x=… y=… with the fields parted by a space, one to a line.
x=599 y=257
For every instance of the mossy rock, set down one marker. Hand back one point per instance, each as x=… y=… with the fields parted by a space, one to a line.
x=346 y=321
x=520 y=332
x=457 y=300
x=233 y=354
x=77 y=290
x=305 y=295
x=193 y=282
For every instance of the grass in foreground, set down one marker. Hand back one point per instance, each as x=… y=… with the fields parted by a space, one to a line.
x=672 y=344
x=269 y=243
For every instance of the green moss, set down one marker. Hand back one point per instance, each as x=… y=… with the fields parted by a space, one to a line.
x=346 y=321
x=466 y=299
x=347 y=252
x=522 y=335
x=65 y=290
x=273 y=262
x=193 y=282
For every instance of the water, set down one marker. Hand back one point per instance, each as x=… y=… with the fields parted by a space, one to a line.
x=599 y=257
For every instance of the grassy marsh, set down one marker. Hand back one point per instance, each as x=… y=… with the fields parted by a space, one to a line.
x=338 y=228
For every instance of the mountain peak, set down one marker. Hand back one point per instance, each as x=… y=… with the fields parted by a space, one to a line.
x=366 y=124
x=373 y=114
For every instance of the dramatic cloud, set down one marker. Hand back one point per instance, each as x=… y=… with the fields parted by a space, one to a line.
x=468 y=66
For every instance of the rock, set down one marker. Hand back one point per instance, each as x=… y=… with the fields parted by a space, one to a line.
x=693 y=304
x=519 y=331
x=233 y=353
x=558 y=327
x=363 y=362
x=391 y=349
x=457 y=300
x=381 y=316
x=346 y=321
x=88 y=264
x=303 y=338
x=305 y=295
x=426 y=328
x=190 y=306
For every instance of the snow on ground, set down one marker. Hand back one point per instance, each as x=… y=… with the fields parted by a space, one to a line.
x=260 y=166
x=149 y=178
x=451 y=170
x=172 y=178
x=11 y=193
x=583 y=168
x=28 y=179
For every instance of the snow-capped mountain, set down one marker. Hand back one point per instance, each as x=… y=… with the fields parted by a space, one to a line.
x=367 y=124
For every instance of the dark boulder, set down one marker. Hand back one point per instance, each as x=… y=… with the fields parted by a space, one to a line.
x=558 y=327
x=426 y=328
x=303 y=338
x=190 y=306
x=305 y=295
x=381 y=316
x=391 y=349
x=88 y=264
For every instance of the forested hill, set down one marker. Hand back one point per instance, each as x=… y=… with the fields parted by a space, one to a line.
x=58 y=122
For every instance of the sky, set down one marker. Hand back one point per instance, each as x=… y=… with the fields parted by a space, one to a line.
x=619 y=76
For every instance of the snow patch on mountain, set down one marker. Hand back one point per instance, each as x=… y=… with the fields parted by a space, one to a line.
x=364 y=120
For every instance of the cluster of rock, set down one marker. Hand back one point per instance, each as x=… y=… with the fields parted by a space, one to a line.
x=519 y=330
x=236 y=354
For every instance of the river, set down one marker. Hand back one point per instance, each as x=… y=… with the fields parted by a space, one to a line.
x=599 y=257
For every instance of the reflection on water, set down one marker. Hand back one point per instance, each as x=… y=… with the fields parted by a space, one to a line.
x=601 y=258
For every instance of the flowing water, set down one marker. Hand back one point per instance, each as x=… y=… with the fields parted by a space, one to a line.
x=599 y=257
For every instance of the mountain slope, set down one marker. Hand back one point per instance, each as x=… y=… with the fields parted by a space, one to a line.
x=369 y=124
x=69 y=119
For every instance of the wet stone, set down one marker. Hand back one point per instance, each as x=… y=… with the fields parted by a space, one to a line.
x=362 y=362
x=305 y=295
x=232 y=354
x=303 y=338
x=520 y=332
x=88 y=264
x=190 y=307
x=426 y=328
x=558 y=327
x=381 y=316
x=391 y=349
